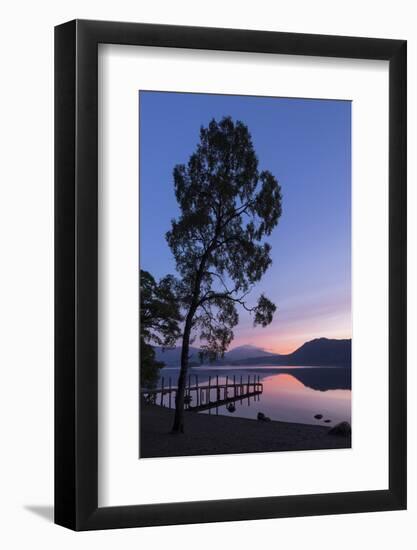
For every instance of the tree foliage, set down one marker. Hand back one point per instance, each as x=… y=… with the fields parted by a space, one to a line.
x=149 y=366
x=227 y=208
x=159 y=322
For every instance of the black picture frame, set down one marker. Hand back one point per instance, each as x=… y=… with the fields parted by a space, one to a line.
x=76 y=272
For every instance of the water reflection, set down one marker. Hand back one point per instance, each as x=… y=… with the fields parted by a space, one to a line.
x=291 y=394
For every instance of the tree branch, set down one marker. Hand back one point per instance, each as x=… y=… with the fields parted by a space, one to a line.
x=212 y=273
x=236 y=213
x=227 y=296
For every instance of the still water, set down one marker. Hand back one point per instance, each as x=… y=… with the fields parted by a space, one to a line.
x=290 y=394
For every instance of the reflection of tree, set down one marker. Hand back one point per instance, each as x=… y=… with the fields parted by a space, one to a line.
x=227 y=207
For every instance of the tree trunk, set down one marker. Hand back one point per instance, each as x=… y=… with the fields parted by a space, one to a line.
x=178 y=426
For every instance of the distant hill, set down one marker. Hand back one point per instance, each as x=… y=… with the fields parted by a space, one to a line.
x=324 y=350
x=172 y=356
x=321 y=351
x=245 y=352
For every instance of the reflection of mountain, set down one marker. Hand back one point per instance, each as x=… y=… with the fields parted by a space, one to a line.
x=316 y=378
x=322 y=379
x=320 y=352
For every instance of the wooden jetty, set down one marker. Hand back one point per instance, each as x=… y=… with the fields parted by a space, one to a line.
x=208 y=395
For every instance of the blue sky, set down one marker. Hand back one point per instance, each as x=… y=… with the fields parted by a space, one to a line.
x=306 y=144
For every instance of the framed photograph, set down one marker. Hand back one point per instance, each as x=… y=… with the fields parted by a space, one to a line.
x=230 y=252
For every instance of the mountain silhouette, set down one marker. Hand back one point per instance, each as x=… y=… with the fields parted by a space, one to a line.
x=172 y=356
x=323 y=351
x=317 y=352
x=245 y=352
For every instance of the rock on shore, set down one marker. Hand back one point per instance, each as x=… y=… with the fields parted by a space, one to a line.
x=210 y=434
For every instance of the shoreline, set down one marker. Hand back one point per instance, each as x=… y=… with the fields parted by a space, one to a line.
x=211 y=435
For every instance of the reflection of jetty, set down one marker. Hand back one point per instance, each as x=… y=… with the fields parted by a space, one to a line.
x=208 y=395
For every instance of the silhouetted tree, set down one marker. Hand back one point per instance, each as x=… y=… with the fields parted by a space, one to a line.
x=149 y=366
x=159 y=323
x=227 y=208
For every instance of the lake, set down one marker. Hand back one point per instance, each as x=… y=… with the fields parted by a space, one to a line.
x=289 y=394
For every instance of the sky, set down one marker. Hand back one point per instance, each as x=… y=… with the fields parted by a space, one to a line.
x=306 y=144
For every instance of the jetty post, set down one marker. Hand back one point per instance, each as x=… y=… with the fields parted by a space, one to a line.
x=248 y=389
x=162 y=392
x=244 y=389
x=170 y=392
